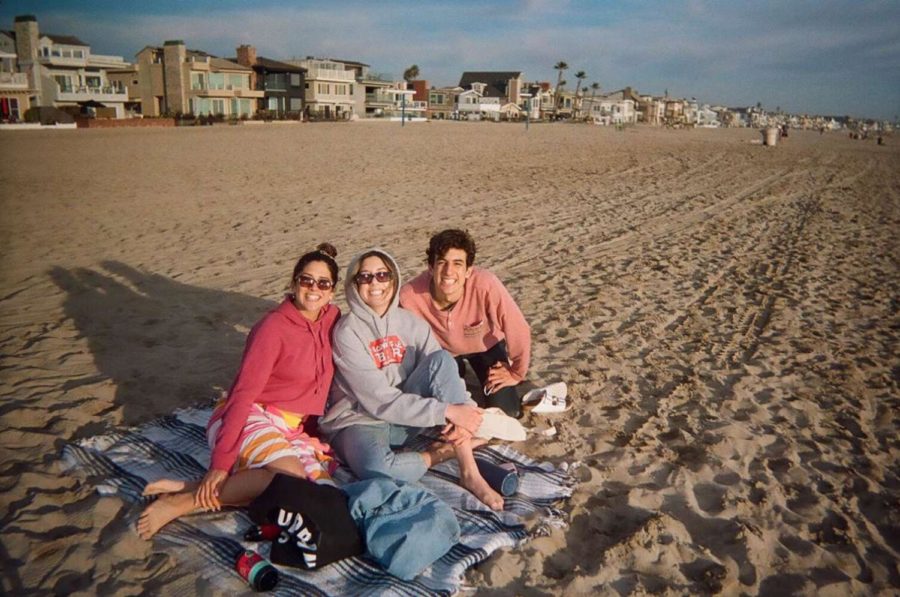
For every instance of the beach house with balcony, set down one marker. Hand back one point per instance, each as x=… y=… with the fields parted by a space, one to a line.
x=330 y=87
x=59 y=71
x=506 y=86
x=283 y=85
x=442 y=102
x=176 y=80
x=15 y=89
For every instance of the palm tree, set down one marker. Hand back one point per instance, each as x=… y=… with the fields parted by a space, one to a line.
x=595 y=86
x=411 y=73
x=581 y=76
x=560 y=66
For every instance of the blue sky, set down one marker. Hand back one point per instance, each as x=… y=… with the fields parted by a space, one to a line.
x=825 y=57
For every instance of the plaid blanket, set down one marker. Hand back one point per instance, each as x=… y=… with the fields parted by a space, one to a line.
x=121 y=463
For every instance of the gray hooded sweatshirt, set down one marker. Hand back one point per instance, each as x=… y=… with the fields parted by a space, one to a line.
x=373 y=356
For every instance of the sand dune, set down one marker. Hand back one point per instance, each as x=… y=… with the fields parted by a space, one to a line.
x=725 y=314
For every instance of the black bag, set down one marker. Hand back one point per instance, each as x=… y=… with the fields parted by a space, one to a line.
x=316 y=527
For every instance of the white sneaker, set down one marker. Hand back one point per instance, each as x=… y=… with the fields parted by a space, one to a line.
x=549 y=399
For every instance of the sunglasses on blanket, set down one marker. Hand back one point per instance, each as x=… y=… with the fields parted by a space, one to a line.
x=308 y=282
x=367 y=277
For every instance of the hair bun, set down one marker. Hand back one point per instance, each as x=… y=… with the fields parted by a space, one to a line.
x=328 y=249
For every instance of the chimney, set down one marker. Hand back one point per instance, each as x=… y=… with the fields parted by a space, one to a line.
x=27 y=49
x=246 y=55
x=174 y=74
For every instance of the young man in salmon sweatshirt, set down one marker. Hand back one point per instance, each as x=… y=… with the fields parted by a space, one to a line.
x=474 y=318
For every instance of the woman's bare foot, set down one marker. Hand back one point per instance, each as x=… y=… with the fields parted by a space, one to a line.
x=164 y=510
x=169 y=486
x=480 y=489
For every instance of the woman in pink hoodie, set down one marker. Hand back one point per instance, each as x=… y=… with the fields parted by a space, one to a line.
x=259 y=429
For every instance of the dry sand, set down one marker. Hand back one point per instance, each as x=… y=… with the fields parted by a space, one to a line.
x=725 y=314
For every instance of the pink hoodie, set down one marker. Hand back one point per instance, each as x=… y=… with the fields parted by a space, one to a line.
x=287 y=364
x=484 y=315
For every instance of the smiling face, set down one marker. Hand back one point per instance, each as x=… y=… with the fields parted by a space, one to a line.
x=377 y=295
x=449 y=273
x=310 y=301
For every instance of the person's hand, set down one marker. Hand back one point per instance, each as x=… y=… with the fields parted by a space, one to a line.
x=465 y=416
x=455 y=435
x=207 y=494
x=499 y=377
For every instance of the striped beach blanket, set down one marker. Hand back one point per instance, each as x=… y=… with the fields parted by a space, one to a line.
x=121 y=463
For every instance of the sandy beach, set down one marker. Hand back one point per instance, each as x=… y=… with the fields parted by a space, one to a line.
x=725 y=315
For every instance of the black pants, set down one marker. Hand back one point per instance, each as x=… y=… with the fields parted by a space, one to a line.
x=506 y=399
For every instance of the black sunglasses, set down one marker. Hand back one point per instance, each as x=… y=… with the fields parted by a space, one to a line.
x=367 y=277
x=308 y=282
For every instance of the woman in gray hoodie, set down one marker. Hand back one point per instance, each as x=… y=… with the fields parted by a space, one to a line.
x=392 y=380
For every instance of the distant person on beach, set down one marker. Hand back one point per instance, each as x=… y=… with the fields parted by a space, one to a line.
x=474 y=317
x=392 y=381
x=261 y=427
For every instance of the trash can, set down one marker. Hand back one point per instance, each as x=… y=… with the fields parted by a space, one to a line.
x=770 y=136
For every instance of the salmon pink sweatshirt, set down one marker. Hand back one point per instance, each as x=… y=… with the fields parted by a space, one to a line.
x=286 y=364
x=485 y=315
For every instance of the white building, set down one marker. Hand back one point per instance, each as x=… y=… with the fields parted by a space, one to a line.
x=472 y=105
x=61 y=70
x=609 y=109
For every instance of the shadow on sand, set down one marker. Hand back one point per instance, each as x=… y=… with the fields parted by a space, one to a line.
x=164 y=344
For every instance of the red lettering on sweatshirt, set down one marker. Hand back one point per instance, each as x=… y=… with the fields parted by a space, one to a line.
x=387 y=351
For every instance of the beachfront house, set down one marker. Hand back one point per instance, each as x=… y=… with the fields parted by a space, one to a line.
x=283 y=85
x=651 y=110
x=377 y=100
x=701 y=115
x=504 y=85
x=442 y=102
x=565 y=104
x=539 y=96
x=332 y=91
x=175 y=80
x=472 y=105
x=617 y=107
x=60 y=71
x=15 y=89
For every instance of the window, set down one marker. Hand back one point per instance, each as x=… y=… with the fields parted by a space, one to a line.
x=237 y=81
x=351 y=90
x=198 y=81
x=296 y=104
x=92 y=81
x=276 y=81
x=201 y=106
x=67 y=53
x=217 y=81
x=218 y=106
x=295 y=79
x=64 y=82
x=240 y=107
x=272 y=104
x=78 y=53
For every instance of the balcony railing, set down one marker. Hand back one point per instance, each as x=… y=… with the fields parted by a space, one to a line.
x=105 y=93
x=330 y=74
x=14 y=80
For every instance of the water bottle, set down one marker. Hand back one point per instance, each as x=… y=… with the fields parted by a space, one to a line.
x=257 y=571
x=503 y=478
